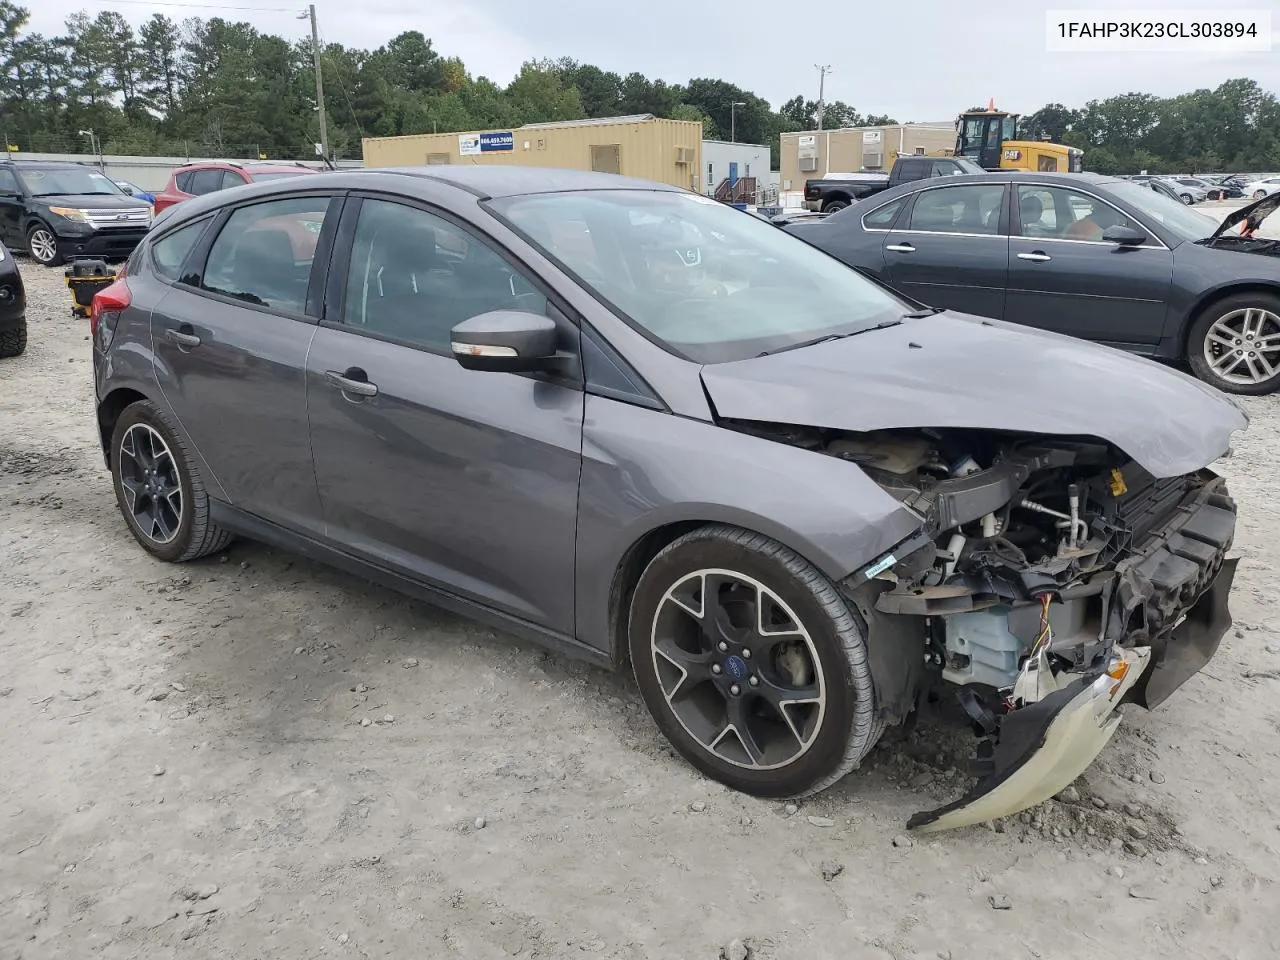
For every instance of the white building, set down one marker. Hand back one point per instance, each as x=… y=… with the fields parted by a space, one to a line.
x=752 y=160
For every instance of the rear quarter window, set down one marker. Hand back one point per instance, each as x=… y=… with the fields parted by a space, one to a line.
x=170 y=251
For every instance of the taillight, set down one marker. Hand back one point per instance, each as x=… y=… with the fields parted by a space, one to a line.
x=113 y=299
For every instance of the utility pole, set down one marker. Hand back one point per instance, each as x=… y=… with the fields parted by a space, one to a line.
x=823 y=70
x=315 y=53
x=733 y=120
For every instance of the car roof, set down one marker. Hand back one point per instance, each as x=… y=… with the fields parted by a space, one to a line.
x=512 y=181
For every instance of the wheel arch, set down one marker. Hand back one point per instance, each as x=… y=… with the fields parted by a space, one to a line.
x=1216 y=295
x=110 y=408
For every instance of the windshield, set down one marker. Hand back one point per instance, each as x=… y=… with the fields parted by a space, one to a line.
x=1178 y=219
x=708 y=282
x=68 y=180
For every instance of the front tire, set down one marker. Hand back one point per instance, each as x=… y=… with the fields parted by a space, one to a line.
x=1188 y=199
x=14 y=342
x=1259 y=194
x=1235 y=344
x=158 y=490
x=42 y=245
x=751 y=663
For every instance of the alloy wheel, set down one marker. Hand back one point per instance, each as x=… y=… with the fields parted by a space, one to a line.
x=738 y=669
x=151 y=484
x=43 y=245
x=1259 y=194
x=1243 y=346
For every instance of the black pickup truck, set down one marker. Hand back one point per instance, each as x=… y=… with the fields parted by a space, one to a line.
x=836 y=191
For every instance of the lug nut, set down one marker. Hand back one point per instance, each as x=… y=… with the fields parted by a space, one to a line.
x=715 y=668
x=735 y=689
x=722 y=646
x=754 y=681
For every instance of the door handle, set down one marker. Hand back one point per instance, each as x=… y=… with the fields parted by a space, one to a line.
x=353 y=381
x=1035 y=257
x=182 y=338
x=901 y=248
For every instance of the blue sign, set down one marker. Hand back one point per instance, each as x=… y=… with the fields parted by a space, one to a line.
x=497 y=142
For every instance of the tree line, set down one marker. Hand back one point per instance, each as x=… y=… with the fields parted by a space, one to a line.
x=213 y=87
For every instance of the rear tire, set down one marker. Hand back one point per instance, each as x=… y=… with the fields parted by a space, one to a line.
x=1219 y=344
x=801 y=688
x=14 y=342
x=834 y=206
x=159 y=492
x=1259 y=194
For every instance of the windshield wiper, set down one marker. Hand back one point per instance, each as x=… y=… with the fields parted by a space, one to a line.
x=882 y=325
x=920 y=314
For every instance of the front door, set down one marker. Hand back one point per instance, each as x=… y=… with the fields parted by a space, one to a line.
x=952 y=252
x=231 y=339
x=467 y=480
x=1064 y=277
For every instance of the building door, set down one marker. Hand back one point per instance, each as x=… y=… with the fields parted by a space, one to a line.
x=606 y=158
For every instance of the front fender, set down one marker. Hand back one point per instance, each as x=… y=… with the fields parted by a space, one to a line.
x=643 y=470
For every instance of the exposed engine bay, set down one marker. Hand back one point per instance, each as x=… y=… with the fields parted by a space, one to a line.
x=1232 y=241
x=1049 y=573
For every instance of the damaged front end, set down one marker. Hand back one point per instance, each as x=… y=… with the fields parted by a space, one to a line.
x=1053 y=580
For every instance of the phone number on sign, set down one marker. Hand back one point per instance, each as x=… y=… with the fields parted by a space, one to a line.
x=1159 y=30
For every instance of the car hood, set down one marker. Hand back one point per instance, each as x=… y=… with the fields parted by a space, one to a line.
x=83 y=201
x=954 y=370
x=1263 y=208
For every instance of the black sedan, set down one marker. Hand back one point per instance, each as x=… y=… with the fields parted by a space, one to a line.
x=13 y=307
x=1101 y=258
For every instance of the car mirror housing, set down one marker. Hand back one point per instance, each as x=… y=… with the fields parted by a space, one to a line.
x=510 y=341
x=1124 y=236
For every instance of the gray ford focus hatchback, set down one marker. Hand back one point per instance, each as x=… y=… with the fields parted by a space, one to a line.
x=642 y=428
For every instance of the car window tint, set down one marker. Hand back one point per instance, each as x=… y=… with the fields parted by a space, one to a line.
x=414 y=276
x=183 y=180
x=974 y=208
x=206 y=181
x=169 y=252
x=8 y=182
x=882 y=218
x=1064 y=214
x=232 y=179
x=263 y=254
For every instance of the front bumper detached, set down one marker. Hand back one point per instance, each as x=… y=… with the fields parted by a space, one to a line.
x=1042 y=747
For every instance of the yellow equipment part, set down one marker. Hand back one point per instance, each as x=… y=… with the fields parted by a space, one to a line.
x=1038 y=156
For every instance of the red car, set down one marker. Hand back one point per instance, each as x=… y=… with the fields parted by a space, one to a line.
x=209 y=176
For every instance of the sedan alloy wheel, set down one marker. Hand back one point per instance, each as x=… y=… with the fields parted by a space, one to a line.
x=1235 y=344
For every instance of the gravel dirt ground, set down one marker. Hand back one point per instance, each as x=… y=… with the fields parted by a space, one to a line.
x=254 y=756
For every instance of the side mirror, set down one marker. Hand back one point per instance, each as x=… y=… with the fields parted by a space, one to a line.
x=511 y=341
x=1124 y=236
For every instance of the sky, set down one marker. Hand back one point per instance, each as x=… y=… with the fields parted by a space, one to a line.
x=917 y=60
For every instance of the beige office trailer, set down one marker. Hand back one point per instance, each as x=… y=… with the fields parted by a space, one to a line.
x=669 y=151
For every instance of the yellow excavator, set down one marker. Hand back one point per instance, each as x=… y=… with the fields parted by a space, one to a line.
x=990 y=138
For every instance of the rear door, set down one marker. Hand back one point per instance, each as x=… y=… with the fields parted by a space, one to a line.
x=12 y=208
x=952 y=251
x=1064 y=277
x=231 y=341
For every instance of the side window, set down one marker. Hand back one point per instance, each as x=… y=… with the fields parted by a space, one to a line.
x=882 y=218
x=205 y=181
x=8 y=182
x=170 y=251
x=947 y=168
x=183 y=180
x=232 y=179
x=263 y=254
x=414 y=276
x=973 y=208
x=1063 y=214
